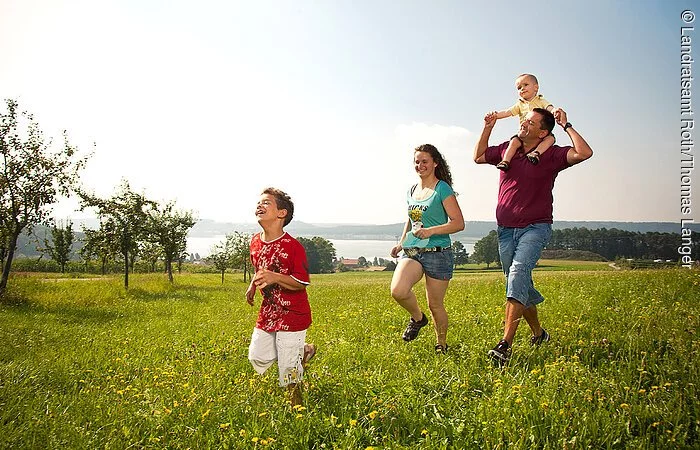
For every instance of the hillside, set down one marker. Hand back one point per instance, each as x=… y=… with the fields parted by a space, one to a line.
x=27 y=246
x=473 y=229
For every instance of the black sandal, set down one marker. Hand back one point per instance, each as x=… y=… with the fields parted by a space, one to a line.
x=534 y=157
x=503 y=165
x=441 y=349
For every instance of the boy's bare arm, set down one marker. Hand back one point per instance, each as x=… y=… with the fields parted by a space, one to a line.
x=503 y=114
x=250 y=292
x=264 y=278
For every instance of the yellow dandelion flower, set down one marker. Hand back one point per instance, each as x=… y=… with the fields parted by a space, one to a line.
x=624 y=405
x=255 y=439
x=353 y=422
x=642 y=391
x=518 y=400
x=424 y=432
x=242 y=433
x=224 y=426
x=372 y=415
x=299 y=416
x=263 y=441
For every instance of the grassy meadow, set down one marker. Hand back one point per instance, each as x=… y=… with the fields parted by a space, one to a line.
x=86 y=364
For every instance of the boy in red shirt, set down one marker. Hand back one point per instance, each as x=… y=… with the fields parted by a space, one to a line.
x=281 y=275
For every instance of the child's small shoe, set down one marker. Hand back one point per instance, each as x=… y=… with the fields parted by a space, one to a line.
x=503 y=165
x=534 y=157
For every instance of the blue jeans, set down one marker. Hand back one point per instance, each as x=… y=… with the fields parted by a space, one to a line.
x=519 y=249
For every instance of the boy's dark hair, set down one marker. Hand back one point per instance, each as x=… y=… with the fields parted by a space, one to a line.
x=547 y=122
x=283 y=202
x=442 y=171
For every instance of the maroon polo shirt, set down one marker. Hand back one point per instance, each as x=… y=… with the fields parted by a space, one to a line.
x=525 y=191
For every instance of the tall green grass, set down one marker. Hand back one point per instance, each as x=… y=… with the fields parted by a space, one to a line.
x=85 y=364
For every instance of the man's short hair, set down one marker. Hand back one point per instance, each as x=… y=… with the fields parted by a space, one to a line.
x=283 y=202
x=547 y=122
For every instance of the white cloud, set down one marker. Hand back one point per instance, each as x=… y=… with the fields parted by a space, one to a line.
x=445 y=137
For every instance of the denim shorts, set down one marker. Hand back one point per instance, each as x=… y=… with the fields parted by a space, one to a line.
x=520 y=249
x=438 y=265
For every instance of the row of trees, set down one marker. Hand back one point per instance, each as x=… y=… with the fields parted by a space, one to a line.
x=609 y=243
x=613 y=243
x=234 y=253
x=33 y=174
x=133 y=226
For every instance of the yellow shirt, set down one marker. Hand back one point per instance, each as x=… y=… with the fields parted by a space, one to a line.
x=522 y=107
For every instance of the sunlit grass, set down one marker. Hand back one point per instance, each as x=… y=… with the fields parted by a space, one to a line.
x=85 y=364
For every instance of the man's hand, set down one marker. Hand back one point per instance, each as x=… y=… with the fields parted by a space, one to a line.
x=490 y=119
x=560 y=116
x=480 y=147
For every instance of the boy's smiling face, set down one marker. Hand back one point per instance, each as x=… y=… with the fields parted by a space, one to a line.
x=267 y=210
x=527 y=88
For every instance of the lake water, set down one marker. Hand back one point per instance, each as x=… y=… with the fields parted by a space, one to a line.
x=347 y=248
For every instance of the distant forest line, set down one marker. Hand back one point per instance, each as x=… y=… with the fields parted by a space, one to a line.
x=472 y=229
x=647 y=240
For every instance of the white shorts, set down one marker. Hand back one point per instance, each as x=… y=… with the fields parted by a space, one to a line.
x=285 y=347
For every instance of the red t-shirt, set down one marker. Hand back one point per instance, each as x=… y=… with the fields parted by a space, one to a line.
x=282 y=309
x=525 y=191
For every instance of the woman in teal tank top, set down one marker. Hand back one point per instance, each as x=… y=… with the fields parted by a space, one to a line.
x=433 y=214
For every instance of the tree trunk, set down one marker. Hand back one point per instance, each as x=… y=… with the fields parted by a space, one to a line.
x=169 y=269
x=222 y=276
x=126 y=270
x=8 y=264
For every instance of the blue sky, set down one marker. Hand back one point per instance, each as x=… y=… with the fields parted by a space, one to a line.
x=208 y=102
